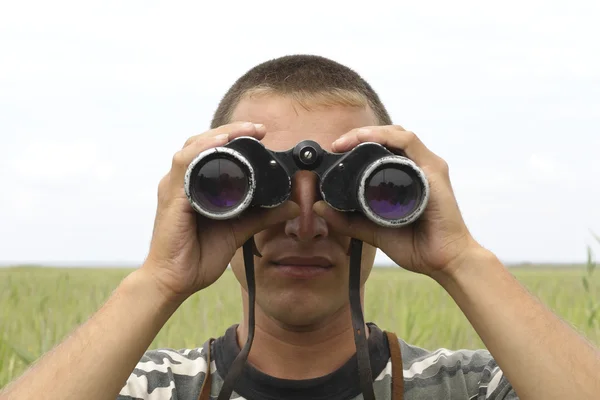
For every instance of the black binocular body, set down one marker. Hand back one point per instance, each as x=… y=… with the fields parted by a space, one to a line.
x=389 y=189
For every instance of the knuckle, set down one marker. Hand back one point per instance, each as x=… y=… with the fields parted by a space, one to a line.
x=162 y=184
x=202 y=137
x=443 y=166
x=411 y=137
x=163 y=188
x=179 y=158
x=190 y=141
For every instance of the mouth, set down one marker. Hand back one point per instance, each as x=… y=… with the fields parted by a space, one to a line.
x=302 y=267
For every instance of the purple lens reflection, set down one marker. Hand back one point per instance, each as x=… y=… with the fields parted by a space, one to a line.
x=220 y=185
x=393 y=193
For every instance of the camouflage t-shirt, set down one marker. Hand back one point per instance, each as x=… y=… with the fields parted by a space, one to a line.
x=167 y=374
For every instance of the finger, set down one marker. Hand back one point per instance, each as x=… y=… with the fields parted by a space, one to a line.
x=357 y=226
x=163 y=186
x=348 y=224
x=258 y=220
x=183 y=158
x=233 y=130
x=390 y=136
x=348 y=140
x=351 y=139
x=213 y=138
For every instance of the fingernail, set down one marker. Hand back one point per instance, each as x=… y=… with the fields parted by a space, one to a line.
x=340 y=143
x=364 y=131
x=259 y=126
x=222 y=138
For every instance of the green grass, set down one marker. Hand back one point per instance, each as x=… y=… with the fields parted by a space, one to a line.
x=40 y=306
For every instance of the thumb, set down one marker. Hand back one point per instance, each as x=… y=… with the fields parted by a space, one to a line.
x=351 y=224
x=257 y=220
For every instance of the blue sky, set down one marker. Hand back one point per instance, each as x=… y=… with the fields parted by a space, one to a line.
x=96 y=96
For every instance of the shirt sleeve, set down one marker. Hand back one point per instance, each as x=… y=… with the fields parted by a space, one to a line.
x=166 y=374
x=494 y=385
x=456 y=374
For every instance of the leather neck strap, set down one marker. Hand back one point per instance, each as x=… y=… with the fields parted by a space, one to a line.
x=238 y=364
x=397 y=367
x=395 y=355
x=358 y=323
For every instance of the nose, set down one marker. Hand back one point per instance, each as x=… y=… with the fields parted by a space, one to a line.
x=308 y=225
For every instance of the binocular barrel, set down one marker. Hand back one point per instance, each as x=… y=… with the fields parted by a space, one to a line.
x=389 y=189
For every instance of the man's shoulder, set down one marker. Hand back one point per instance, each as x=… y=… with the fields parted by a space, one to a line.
x=472 y=373
x=161 y=372
x=421 y=362
x=168 y=373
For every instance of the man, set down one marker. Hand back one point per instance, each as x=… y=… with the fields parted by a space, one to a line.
x=303 y=344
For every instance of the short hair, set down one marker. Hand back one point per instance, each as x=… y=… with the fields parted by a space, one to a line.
x=308 y=79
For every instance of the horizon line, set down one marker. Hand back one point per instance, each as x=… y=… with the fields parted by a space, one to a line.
x=129 y=264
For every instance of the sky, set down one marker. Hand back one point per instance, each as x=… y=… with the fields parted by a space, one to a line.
x=96 y=97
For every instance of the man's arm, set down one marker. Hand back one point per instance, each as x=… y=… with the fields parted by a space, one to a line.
x=95 y=361
x=541 y=355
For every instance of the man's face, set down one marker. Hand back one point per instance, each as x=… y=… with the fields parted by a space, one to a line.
x=292 y=294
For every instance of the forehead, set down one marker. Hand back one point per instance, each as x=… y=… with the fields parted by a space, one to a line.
x=288 y=122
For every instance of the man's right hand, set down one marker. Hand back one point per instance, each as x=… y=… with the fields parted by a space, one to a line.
x=189 y=252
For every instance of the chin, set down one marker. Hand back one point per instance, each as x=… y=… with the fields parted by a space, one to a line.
x=298 y=308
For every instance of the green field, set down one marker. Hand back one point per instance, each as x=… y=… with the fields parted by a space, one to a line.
x=40 y=306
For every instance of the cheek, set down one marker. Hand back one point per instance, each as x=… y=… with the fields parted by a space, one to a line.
x=237 y=262
x=263 y=237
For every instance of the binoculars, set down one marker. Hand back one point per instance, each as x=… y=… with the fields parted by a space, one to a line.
x=389 y=189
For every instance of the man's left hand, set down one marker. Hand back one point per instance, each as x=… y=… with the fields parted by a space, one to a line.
x=439 y=239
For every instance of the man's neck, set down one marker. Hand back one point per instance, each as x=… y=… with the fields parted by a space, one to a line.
x=285 y=353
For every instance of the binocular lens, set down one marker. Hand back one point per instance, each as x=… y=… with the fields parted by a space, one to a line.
x=393 y=192
x=220 y=185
